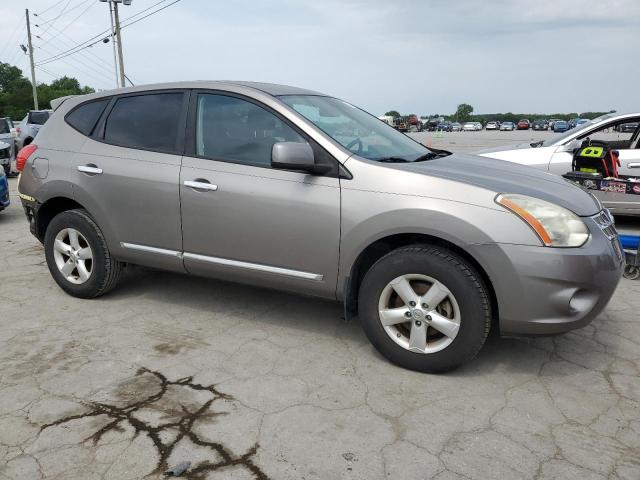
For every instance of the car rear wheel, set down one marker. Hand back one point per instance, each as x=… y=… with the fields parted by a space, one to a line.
x=78 y=257
x=425 y=308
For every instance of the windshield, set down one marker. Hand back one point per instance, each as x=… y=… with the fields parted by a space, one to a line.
x=356 y=130
x=39 y=118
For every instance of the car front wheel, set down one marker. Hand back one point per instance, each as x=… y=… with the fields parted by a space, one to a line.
x=425 y=308
x=78 y=257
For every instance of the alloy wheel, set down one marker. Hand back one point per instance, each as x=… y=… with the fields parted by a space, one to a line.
x=419 y=313
x=73 y=256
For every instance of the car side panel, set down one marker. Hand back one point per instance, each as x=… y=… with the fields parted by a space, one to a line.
x=137 y=197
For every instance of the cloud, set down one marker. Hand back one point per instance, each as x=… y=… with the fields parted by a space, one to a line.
x=418 y=57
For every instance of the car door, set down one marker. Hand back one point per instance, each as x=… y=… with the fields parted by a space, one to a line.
x=245 y=221
x=127 y=172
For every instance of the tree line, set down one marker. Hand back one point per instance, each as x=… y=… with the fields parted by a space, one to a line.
x=16 y=96
x=464 y=113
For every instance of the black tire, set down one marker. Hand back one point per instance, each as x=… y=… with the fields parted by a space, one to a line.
x=105 y=270
x=7 y=169
x=463 y=282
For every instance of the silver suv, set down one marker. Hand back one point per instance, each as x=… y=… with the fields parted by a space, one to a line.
x=286 y=188
x=30 y=125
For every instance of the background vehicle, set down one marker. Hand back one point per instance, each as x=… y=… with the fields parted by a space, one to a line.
x=509 y=126
x=492 y=125
x=431 y=123
x=388 y=119
x=286 y=188
x=540 y=125
x=7 y=136
x=581 y=121
x=555 y=154
x=469 y=127
x=560 y=126
x=28 y=128
x=443 y=127
x=628 y=127
x=456 y=127
x=552 y=121
x=4 y=185
x=523 y=124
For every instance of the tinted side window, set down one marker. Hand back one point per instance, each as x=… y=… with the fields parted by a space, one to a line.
x=84 y=117
x=235 y=130
x=4 y=125
x=38 y=118
x=148 y=122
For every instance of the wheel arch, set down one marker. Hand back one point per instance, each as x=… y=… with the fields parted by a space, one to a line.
x=49 y=209
x=380 y=247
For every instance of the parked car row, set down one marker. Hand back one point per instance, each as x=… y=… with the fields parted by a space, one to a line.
x=411 y=123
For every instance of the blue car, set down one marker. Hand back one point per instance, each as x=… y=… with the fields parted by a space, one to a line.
x=560 y=126
x=4 y=190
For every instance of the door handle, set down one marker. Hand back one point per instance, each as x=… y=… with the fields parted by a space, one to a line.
x=633 y=165
x=90 y=168
x=201 y=184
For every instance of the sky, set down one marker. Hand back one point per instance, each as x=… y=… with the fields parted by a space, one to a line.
x=419 y=56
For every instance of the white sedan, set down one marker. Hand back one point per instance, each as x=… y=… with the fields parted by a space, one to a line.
x=556 y=154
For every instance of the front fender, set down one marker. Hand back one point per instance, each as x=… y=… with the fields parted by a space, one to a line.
x=368 y=217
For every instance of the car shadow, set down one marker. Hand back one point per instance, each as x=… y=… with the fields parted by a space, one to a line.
x=321 y=317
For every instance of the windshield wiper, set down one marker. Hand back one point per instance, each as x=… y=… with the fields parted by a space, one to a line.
x=392 y=160
x=432 y=155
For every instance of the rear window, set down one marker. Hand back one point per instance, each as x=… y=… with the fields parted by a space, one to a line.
x=84 y=117
x=38 y=118
x=147 y=122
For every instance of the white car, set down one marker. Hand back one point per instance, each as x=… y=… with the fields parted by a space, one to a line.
x=471 y=126
x=555 y=154
x=492 y=126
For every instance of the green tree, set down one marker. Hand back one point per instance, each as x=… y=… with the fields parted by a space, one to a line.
x=463 y=112
x=392 y=113
x=16 y=96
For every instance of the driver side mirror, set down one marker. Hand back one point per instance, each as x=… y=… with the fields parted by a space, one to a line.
x=295 y=156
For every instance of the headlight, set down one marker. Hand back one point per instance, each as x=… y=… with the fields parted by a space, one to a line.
x=554 y=225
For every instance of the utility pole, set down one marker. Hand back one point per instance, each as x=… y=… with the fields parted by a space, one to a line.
x=113 y=43
x=118 y=34
x=33 y=68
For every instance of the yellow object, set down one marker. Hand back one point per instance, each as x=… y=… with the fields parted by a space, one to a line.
x=593 y=152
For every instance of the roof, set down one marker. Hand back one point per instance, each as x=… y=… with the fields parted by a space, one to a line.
x=272 y=89
x=268 y=88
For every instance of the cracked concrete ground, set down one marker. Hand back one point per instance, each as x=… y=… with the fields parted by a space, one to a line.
x=252 y=384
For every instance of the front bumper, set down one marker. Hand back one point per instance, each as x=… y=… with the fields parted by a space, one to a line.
x=546 y=291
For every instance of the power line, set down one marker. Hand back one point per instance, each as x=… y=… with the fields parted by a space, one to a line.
x=19 y=26
x=56 y=18
x=95 y=59
x=52 y=6
x=90 y=42
x=97 y=75
x=82 y=62
x=71 y=22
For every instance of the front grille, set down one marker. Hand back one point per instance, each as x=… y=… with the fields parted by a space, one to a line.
x=605 y=221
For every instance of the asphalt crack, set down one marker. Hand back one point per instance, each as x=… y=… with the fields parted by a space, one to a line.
x=183 y=423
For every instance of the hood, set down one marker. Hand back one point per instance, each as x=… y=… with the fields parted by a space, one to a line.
x=519 y=146
x=507 y=177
